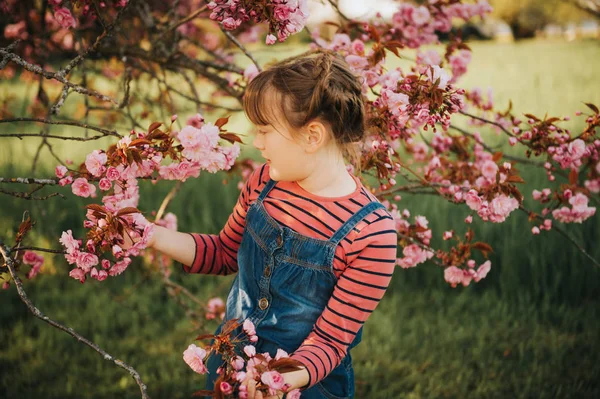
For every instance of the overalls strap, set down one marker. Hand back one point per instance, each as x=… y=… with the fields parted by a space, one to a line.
x=354 y=220
x=263 y=194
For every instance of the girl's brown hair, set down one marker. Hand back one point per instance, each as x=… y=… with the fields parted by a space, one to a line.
x=315 y=85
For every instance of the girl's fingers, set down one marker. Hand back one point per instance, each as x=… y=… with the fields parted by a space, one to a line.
x=251 y=384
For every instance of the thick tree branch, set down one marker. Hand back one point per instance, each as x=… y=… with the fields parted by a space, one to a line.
x=106 y=132
x=53 y=76
x=11 y=263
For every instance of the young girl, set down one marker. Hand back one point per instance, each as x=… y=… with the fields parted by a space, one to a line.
x=313 y=250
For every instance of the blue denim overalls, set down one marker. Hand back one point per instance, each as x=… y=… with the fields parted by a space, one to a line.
x=283 y=284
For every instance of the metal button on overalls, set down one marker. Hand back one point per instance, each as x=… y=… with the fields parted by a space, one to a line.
x=263 y=303
x=268 y=271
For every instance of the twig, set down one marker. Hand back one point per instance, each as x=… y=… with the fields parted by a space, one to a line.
x=241 y=47
x=68 y=123
x=186 y=19
x=50 y=136
x=564 y=234
x=28 y=196
x=10 y=263
x=168 y=198
x=53 y=76
x=487 y=121
x=39 y=249
x=28 y=180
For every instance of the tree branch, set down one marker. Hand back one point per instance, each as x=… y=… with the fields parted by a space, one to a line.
x=106 y=132
x=53 y=76
x=11 y=263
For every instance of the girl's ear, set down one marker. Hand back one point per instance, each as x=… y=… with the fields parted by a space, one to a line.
x=315 y=136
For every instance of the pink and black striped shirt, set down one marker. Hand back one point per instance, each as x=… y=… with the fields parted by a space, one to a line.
x=363 y=263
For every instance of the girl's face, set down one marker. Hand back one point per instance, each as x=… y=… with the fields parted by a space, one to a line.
x=286 y=156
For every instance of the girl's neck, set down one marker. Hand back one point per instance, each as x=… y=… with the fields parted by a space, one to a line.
x=329 y=178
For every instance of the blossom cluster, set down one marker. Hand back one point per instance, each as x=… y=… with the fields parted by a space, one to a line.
x=454 y=275
x=241 y=363
x=117 y=170
x=285 y=17
x=416 y=26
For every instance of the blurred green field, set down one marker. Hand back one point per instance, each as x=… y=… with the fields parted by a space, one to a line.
x=529 y=330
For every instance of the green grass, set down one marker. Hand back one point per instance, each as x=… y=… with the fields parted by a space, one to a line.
x=529 y=330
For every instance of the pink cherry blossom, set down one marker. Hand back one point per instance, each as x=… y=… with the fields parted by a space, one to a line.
x=454 y=276
x=86 y=260
x=293 y=394
x=95 y=161
x=413 y=255
x=248 y=327
x=70 y=243
x=119 y=267
x=64 y=17
x=104 y=184
x=273 y=379
x=482 y=271
x=250 y=72
x=250 y=350
x=194 y=357
x=420 y=15
x=196 y=121
x=113 y=173
x=489 y=169
x=60 y=171
x=237 y=363
x=82 y=188
x=226 y=388
x=281 y=354
x=78 y=274
x=271 y=39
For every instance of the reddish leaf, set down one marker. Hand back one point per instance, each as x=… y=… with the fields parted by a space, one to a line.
x=136 y=157
x=153 y=126
x=137 y=142
x=221 y=121
x=128 y=210
x=497 y=156
x=515 y=179
x=285 y=365
x=97 y=208
x=592 y=107
x=482 y=246
x=573 y=177
x=231 y=137
x=24 y=228
x=204 y=336
x=204 y=392
x=535 y=118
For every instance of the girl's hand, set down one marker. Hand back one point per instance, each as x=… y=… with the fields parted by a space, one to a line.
x=253 y=393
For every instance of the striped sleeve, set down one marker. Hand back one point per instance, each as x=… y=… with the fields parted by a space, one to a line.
x=217 y=253
x=359 y=289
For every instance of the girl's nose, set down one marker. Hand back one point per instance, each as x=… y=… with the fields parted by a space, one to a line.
x=257 y=142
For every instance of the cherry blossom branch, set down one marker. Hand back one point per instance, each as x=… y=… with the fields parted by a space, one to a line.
x=53 y=76
x=106 y=33
x=50 y=136
x=39 y=249
x=28 y=196
x=106 y=132
x=193 y=15
x=11 y=264
x=29 y=180
x=479 y=118
x=241 y=47
x=505 y=156
x=564 y=234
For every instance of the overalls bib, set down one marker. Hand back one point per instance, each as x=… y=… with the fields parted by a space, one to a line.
x=284 y=282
